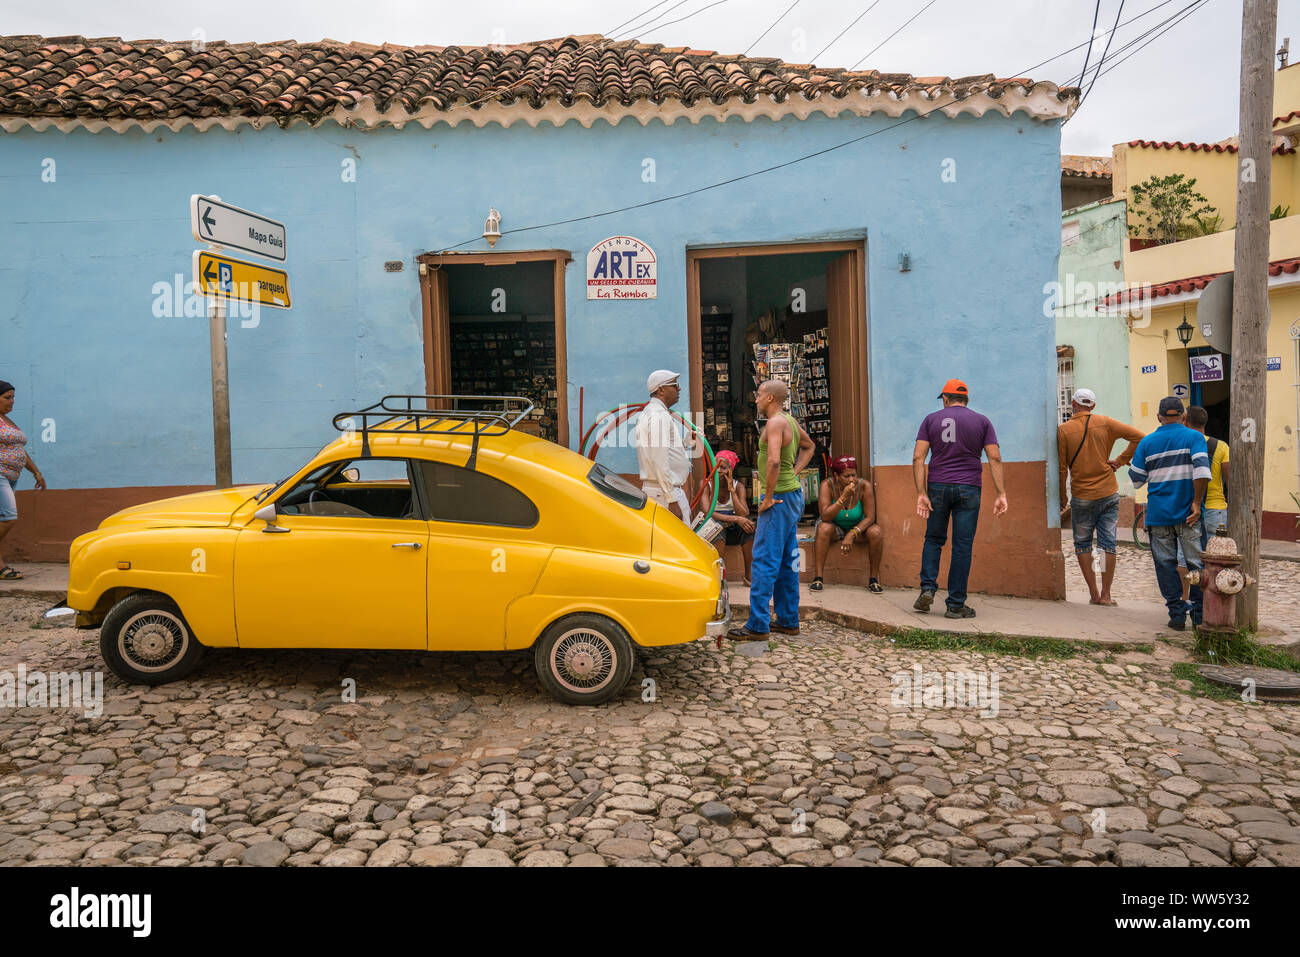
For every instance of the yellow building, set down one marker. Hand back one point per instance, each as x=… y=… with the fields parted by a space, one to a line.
x=1170 y=279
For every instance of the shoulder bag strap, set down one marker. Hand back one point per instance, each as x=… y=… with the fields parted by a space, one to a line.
x=1082 y=439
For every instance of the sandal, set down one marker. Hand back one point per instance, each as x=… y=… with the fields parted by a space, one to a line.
x=9 y=574
x=816 y=584
x=874 y=586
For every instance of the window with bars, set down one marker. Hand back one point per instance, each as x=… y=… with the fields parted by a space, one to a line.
x=1064 y=386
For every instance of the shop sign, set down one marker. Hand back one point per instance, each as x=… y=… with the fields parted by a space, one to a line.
x=1207 y=368
x=622 y=268
x=1274 y=363
x=1181 y=391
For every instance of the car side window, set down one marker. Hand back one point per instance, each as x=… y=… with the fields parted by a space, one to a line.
x=456 y=494
x=358 y=488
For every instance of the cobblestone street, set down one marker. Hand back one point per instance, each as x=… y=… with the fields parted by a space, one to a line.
x=808 y=755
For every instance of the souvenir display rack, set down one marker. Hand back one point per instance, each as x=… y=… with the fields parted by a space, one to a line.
x=508 y=357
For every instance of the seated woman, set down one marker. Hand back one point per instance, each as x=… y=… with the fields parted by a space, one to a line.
x=846 y=507
x=732 y=510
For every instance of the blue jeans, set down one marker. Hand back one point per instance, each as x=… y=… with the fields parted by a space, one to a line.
x=962 y=503
x=1165 y=541
x=1100 y=516
x=773 y=571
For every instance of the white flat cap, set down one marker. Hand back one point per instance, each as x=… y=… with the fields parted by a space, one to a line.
x=658 y=378
x=1084 y=397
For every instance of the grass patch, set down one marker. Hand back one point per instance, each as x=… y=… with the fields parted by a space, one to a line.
x=1201 y=688
x=1241 y=648
x=1021 y=646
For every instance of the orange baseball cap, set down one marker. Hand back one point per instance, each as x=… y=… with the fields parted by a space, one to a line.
x=953 y=387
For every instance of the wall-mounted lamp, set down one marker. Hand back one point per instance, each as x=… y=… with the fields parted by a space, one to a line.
x=904 y=262
x=492 y=227
x=1184 y=330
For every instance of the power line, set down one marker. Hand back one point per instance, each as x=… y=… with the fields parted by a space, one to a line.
x=895 y=33
x=716 y=3
x=1092 y=35
x=657 y=17
x=1102 y=61
x=798 y=159
x=610 y=33
x=771 y=28
x=1177 y=19
x=845 y=30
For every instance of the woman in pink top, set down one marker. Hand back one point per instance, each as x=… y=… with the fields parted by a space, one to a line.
x=13 y=459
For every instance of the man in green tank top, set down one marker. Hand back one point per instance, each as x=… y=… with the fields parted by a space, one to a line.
x=776 y=547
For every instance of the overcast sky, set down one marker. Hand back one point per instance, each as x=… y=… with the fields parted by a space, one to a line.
x=1183 y=86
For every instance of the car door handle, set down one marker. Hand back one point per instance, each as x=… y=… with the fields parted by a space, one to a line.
x=406 y=544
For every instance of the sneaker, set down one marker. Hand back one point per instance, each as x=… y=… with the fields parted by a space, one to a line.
x=784 y=630
x=924 y=600
x=1177 y=624
x=874 y=586
x=816 y=583
x=960 y=611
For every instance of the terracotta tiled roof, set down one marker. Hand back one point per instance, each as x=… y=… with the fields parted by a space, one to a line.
x=1229 y=146
x=1191 y=284
x=115 y=82
x=1090 y=167
x=1278 y=120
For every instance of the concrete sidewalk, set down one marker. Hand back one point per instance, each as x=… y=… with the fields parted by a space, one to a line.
x=1131 y=623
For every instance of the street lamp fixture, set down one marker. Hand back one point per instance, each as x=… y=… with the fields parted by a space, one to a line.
x=1184 y=331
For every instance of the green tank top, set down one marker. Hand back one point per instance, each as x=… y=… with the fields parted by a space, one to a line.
x=848 y=517
x=786 y=481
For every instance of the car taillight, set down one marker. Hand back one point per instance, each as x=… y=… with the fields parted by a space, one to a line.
x=724 y=603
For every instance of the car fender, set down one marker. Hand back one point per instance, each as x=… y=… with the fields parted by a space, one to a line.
x=191 y=566
x=667 y=604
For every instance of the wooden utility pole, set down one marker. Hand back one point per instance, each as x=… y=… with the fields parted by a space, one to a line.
x=1250 y=294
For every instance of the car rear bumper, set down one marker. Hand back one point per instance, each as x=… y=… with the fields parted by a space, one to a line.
x=722 y=621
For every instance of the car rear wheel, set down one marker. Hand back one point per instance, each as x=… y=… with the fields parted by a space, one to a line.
x=584 y=659
x=146 y=640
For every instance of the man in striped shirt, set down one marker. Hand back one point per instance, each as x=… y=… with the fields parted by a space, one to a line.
x=1175 y=466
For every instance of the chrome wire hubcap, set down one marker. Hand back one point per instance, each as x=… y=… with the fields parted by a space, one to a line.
x=583 y=660
x=153 y=640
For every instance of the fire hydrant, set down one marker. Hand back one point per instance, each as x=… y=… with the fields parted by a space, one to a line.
x=1220 y=581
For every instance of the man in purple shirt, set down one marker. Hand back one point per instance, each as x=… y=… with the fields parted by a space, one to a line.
x=954 y=438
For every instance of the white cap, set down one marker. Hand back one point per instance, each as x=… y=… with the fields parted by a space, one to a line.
x=658 y=378
x=1084 y=397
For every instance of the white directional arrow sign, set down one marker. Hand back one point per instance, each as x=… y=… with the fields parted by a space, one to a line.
x=224 y=225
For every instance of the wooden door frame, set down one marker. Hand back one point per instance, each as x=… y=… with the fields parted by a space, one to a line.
x=437 y=326
x=853 y=338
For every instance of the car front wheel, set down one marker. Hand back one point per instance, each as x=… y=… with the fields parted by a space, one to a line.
x=146 y=640
x=584 y=659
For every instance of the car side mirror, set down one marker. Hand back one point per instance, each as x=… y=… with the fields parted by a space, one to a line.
x=352 y=474
x=267 y=514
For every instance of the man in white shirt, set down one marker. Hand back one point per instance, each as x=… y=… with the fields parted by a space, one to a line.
x=663 y=456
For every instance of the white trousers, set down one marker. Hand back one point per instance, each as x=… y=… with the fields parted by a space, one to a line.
x=667 y=497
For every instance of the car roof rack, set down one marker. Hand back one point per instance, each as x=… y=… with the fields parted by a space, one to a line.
x=402 y=415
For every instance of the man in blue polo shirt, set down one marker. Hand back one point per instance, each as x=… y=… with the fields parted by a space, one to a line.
x=1175 y=466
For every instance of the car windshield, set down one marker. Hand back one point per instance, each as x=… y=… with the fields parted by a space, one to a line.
x=616 y=487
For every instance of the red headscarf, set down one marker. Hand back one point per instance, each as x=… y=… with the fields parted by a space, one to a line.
x=843 y=464
x=730 y=457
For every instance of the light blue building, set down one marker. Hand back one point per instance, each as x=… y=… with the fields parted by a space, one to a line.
x=916 y=221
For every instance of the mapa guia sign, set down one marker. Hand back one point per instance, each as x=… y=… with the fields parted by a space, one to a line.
x=622 y=268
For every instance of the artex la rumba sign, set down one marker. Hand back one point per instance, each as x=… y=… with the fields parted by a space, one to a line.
x=622 y=268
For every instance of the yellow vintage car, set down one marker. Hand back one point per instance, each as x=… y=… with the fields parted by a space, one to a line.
x=440 y=530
